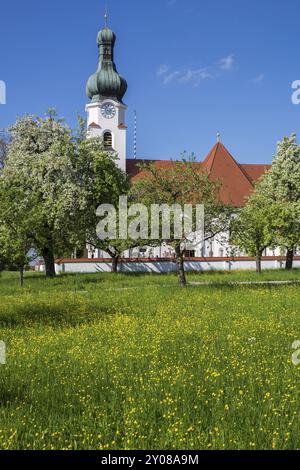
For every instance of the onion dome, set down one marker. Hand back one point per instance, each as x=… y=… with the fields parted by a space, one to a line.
x=106 y=36
x=106 y=82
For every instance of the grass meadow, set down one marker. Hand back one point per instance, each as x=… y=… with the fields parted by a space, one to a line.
x=134 y=362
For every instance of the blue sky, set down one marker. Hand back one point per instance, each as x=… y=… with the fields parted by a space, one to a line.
x=194 y=67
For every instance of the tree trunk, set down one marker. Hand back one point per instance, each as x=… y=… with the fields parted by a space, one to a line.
x=114 y=264
x=48 y=256
x=289 y=259
x=21 y=270
x=258 y=264
x=180 y=266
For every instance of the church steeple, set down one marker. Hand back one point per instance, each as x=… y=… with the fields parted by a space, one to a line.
x=106 y=82
x=106 y=111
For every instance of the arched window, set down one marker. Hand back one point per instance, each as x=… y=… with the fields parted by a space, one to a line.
x=107 y=140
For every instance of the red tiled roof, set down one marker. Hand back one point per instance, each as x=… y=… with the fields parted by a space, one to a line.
x=237 y=180
x=255 y=171
x=133 y=167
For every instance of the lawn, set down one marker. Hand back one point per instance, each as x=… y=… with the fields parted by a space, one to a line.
x=134 y=362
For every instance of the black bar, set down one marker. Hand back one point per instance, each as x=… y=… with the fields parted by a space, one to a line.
x=136 y=459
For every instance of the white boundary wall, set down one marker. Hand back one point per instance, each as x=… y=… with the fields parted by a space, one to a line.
x=167 y=266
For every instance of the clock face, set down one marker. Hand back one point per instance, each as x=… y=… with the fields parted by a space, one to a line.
x=108 y=110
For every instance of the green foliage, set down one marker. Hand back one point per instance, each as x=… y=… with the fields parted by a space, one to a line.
x=282 y=181
x=271 y=217
x=281 y=189
x=103 y=183
x=250 y=229
x=177 y=182
x=180 y=183
x=4 y=139
x=53 y=182
x=16 y=229
x=116 y=247
x=41 y=182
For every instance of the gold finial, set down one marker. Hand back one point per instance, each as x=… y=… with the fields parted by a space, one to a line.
x=218 y=137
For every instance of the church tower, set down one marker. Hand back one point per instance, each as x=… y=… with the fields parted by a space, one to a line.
x=106 y=89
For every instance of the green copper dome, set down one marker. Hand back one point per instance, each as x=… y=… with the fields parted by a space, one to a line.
x=106 y=82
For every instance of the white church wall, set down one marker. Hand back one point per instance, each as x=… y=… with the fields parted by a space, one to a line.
x=213 y=249
x=167 y=266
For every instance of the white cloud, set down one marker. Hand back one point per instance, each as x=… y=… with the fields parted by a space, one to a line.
x=227 y=63
x=170 y=77
x=162 y=70
x=166 y=75
x=259 y=78
x=193 y=76
x=197 y=75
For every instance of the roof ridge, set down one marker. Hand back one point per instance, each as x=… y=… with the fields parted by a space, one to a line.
x=218 y=144
x=210 y=156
